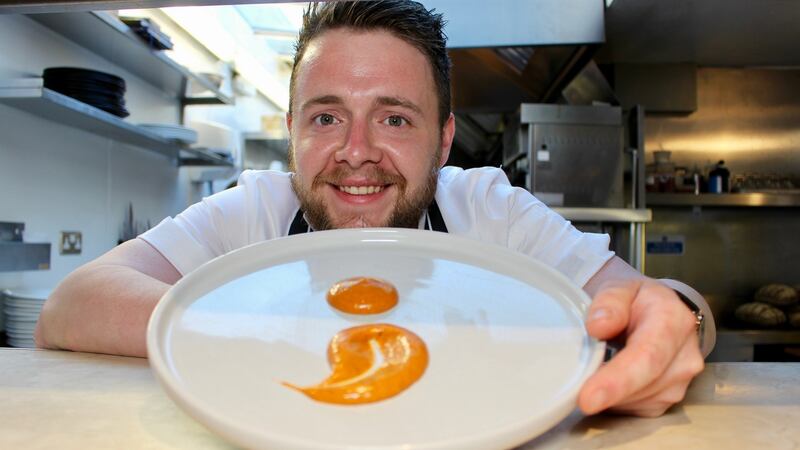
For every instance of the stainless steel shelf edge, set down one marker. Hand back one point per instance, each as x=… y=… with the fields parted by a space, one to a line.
x=59 y=108
x=621 y=215
x=730 y=336
x=65 y=110
x=750 y=199
x=200 y=156
x=104 y=34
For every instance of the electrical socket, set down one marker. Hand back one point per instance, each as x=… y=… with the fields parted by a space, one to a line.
x=71 y=243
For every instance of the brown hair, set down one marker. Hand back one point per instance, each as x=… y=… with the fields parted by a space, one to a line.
x=408 y=20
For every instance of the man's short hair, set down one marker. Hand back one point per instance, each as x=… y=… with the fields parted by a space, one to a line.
x=408 y=20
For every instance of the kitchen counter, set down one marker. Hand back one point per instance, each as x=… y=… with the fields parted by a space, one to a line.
x=65 y=400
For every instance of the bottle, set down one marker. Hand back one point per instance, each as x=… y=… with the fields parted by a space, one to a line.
x=696 y=180
x=719 y=179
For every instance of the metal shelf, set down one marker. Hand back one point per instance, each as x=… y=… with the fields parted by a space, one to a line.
x=65 y=110
x=732 y=336
x=750 y=199
x=621 y=215
x=104 y=34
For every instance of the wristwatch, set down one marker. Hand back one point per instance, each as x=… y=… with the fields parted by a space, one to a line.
x=699 y=317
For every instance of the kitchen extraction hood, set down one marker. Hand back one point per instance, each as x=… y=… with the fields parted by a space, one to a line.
x=508 y=52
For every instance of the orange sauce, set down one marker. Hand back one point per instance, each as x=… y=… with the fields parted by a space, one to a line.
x=362 y=295
x=357 y=376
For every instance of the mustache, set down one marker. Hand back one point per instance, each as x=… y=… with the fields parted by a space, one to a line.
x=373 y=173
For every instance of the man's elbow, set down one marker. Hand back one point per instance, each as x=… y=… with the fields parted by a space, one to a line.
x=53 y=327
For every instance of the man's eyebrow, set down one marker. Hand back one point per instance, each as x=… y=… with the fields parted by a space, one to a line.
x=398 y=101
x=322 y=100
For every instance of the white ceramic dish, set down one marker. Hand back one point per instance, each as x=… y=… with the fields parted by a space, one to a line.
x=38 y=295
x=178 y=133
x=508 y=351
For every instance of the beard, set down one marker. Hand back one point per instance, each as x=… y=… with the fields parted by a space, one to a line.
x=406 y=213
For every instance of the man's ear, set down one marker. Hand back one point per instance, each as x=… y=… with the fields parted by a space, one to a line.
x=289 y=122
x=448 y=133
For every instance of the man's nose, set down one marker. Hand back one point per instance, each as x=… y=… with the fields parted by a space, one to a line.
x=359 y=146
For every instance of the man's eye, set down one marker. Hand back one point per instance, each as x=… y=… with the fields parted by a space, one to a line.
x=395 y=121
x=325 y=119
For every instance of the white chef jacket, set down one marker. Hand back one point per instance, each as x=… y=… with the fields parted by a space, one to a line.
x=475 y=203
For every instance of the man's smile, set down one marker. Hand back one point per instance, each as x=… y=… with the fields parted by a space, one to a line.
x=361 y=190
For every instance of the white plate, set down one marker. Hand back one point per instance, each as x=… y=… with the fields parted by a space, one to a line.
x=508 y=350
x=22 y=343
x=30 y=294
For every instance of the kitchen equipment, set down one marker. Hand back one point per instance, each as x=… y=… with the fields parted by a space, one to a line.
x=573 y=154
x=21 y=309
x=508 y=349
x=16 y=255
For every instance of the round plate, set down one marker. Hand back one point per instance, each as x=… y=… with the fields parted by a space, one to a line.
x=38 y=295
x=508 y=350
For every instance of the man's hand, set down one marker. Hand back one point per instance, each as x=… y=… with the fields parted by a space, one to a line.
x=661 y=353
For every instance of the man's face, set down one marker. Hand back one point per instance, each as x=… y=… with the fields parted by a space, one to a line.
x=366 y=141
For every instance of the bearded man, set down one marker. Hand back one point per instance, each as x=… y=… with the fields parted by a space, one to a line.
x=371 y=129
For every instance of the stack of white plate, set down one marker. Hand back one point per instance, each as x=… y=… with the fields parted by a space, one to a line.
x=22 y=308
x=178 y=133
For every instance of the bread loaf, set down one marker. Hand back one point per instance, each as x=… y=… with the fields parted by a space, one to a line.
x=794 y=316
x=777 y=295
x=762 y=314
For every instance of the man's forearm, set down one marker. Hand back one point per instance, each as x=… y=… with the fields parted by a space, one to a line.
x=100 y=308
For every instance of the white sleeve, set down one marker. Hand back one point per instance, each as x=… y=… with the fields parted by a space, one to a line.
x=482 y=204
x=205 y=230
x=537 y=230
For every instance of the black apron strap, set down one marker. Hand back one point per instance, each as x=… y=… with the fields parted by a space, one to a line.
x=435 y=216
x=300 y=226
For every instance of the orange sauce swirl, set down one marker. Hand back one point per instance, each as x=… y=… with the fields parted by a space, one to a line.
x=359 y=376
x=362 y=295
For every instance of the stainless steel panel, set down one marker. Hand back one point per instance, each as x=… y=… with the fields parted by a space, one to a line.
x=751 y=199
x=18 y=256
x=623 y=215
x=503 y=23
x=582 y=162
x=532 y=113
x=728 y=252
x=748 y=117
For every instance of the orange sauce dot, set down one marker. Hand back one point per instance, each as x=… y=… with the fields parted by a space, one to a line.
x=370 y=363
x=362 y=295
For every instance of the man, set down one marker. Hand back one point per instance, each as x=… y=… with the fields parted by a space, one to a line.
x=371 y=128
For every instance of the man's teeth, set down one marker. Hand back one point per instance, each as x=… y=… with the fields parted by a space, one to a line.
x=361 y=190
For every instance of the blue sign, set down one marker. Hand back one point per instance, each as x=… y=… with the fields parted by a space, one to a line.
x=665 y=245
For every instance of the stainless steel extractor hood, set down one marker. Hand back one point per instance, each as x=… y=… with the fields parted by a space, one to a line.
x=507 y=52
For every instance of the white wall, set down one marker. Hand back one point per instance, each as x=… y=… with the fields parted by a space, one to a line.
x=54 y=178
